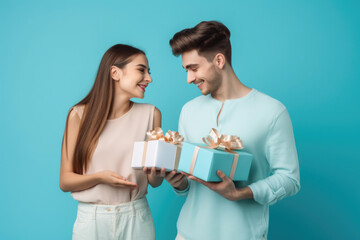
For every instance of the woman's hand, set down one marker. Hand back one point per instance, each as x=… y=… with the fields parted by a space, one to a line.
x=113 y=179
x=155 y=177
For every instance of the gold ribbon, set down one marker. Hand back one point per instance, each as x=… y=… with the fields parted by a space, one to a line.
x=170 y=137
x=194 y=158
x=177 y=157
x=223 y=142
x=144 y=154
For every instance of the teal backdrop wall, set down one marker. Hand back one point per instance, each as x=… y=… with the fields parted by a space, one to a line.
x=304 y=53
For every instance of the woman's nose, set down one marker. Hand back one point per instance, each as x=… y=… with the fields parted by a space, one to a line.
x=148 y=78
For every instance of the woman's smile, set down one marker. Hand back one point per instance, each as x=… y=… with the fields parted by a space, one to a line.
x=142 y=86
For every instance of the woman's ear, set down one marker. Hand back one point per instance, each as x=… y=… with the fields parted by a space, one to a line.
x=115 y=73
x=220 y=60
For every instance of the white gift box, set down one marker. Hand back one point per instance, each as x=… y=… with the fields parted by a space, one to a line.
x=155 y=153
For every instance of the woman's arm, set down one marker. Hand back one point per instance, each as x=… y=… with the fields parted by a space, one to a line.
x=72 y=182
x=155 y=177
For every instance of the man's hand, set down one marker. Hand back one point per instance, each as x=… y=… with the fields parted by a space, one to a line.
x=155 y=177
x=177 y=180
x=225 y=188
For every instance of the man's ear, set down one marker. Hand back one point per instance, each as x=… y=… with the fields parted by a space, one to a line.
x=219 y=60
x=115 y=73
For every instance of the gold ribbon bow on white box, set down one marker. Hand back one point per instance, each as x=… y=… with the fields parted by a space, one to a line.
x=171 y=137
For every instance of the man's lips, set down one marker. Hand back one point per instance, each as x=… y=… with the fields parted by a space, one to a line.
x=199 y=84
x=142 y=86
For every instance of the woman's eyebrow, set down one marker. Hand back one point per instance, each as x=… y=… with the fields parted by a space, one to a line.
x=142 y=65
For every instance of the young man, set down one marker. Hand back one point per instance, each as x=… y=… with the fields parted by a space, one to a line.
x=231 y=210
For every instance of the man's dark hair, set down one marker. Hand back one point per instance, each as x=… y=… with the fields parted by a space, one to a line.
x=207 y=37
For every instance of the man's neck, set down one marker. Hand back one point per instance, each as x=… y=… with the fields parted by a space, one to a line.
x=231 y=87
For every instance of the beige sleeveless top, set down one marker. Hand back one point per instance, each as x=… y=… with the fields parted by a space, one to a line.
x=114 y=152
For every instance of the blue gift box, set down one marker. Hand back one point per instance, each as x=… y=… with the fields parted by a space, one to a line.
x=208 y=161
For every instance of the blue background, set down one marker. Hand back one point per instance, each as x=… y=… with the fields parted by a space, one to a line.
x=303 y=53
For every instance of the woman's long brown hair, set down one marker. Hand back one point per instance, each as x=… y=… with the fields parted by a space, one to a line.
x=98 y=104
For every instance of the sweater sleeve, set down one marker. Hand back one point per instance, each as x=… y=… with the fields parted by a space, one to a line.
x=282 y=157
x=183 y=192
x=182 y=132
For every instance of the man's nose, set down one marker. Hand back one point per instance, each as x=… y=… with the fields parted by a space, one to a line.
x=190 y=77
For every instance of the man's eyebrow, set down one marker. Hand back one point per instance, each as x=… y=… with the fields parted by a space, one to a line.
x=190 y=66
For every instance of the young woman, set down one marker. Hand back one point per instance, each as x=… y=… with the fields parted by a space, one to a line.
x=97 y=148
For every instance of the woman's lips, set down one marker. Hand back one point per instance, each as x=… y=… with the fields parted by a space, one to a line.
x=142 y=87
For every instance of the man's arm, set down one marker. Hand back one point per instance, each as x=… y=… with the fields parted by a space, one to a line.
x=282 y=158
x=283 y=161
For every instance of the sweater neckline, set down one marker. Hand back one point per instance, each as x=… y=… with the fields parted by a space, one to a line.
x=247 y=96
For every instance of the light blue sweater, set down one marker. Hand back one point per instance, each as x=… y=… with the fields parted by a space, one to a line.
x=265 y=128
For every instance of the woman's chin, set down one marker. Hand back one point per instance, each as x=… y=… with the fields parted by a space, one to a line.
x=141 y=96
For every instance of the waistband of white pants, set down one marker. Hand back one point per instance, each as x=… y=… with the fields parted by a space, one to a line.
x=119 y=208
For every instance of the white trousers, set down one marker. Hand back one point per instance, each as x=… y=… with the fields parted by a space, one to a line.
x=125 y=221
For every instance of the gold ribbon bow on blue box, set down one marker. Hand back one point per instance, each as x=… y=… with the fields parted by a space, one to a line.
x=218 y=154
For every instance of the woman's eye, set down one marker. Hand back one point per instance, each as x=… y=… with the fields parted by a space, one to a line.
x=142 y=70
